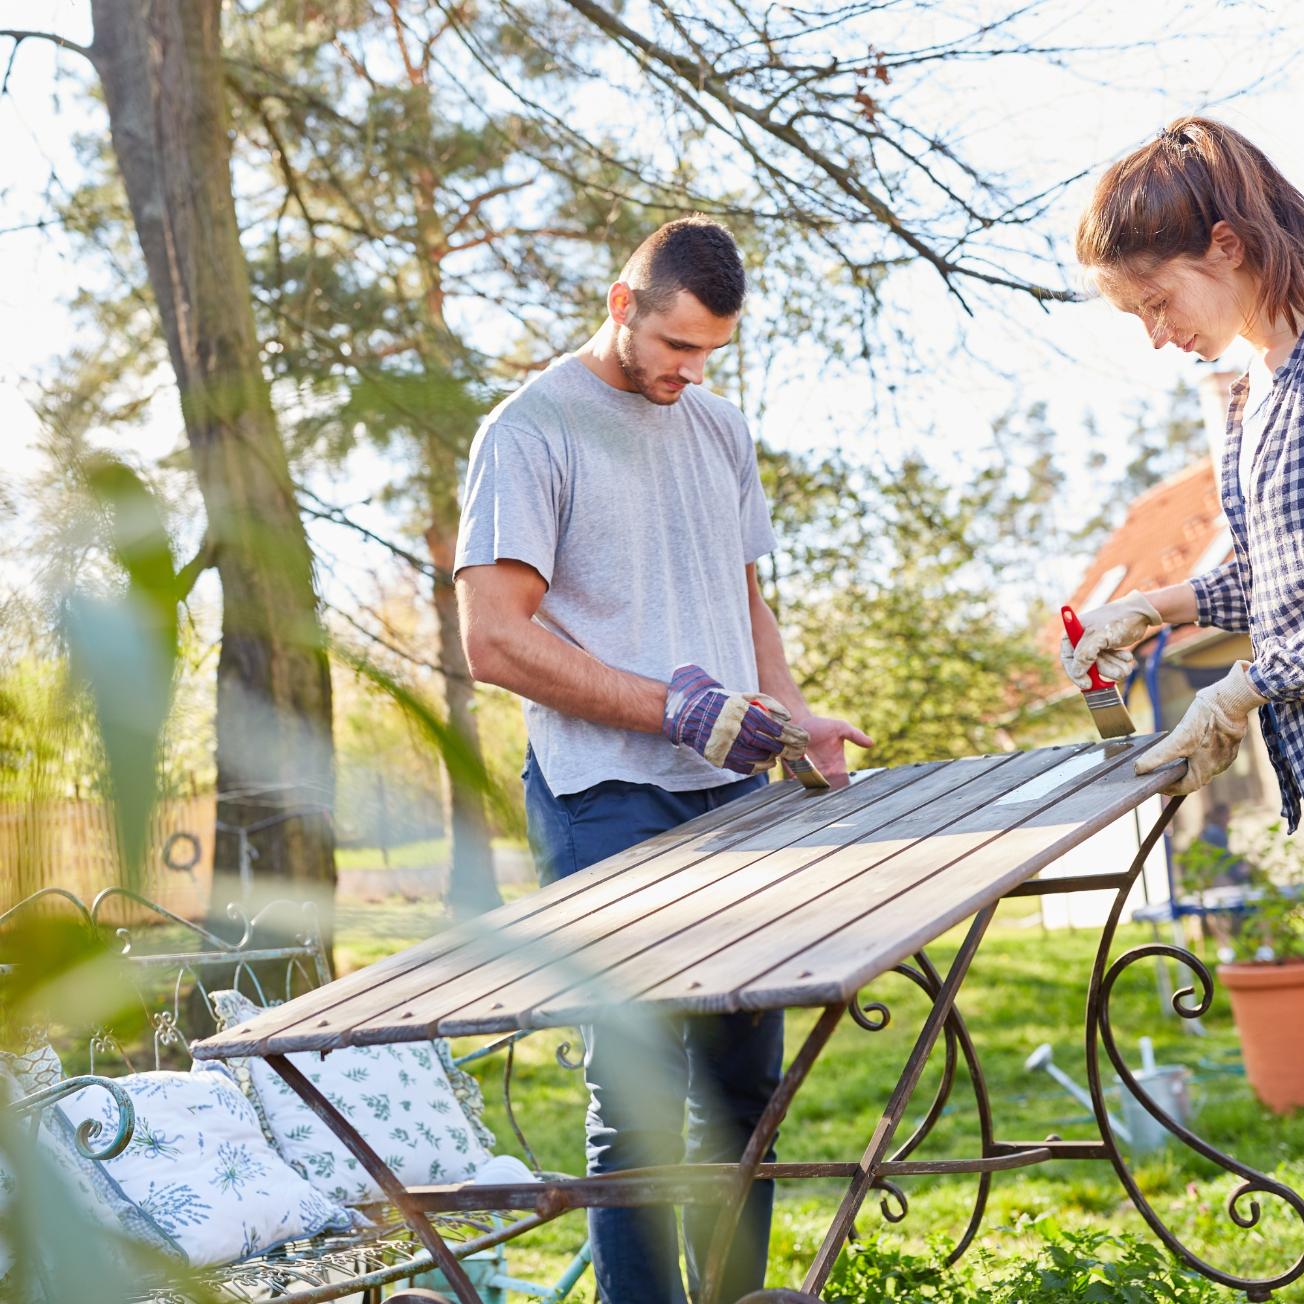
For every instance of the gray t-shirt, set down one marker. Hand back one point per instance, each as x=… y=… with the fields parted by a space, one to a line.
x=641 y=518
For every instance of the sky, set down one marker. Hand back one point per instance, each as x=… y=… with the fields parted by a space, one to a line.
x=1046 y=123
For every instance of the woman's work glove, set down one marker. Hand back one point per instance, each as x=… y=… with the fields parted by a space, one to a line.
x=1209 y=734
x=1106 y=632
x=744 y=732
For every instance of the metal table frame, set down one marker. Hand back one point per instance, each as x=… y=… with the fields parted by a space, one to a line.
x=878 y=1168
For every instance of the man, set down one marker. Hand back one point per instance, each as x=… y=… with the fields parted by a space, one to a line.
x=606 y=572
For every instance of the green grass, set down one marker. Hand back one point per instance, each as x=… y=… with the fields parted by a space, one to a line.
x=1024 y=988
x=406 y=855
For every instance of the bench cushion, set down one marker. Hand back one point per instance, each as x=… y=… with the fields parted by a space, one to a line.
x=36 y=1067
x=398 y=1097
x=200 y=1168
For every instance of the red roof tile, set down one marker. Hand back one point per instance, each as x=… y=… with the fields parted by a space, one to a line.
x=1170 y=534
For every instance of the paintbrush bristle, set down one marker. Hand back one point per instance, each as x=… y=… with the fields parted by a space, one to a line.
x=1109 y=712
x=806 y=774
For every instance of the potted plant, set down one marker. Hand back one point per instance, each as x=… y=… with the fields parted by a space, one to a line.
x=1261 y=947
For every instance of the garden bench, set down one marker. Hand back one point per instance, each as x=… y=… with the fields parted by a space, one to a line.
x=174 y=965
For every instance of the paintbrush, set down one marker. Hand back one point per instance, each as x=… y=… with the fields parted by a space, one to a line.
x=805 y=772
x=802 y=769
x=1103 y=698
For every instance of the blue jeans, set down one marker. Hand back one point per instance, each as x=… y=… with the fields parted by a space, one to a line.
x=641 y=1074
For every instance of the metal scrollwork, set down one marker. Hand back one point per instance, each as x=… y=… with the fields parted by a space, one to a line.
x=873 y=1017
x=894 y=1205
x=103 y=1042
x=509 y=1064
x=1242 y=1208
x=88 y=1131
x=238 y=916
x=565 y=1060
x=166 y=1032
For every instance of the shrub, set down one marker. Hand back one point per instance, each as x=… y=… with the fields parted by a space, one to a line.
x=1093 y=1266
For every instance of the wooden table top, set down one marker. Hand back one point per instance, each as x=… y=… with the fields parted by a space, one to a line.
x=782 y=898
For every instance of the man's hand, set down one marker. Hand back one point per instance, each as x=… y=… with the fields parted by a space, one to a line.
x=744 y=732
x=825 y=750
x=1106 y=632
x=1209 y=734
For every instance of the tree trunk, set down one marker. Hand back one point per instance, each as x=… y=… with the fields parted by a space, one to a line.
x=472 y=886
x=160 y=62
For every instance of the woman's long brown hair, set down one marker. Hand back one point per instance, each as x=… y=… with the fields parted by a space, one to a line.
x=1162 y=201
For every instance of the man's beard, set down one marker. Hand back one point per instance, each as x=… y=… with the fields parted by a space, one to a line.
x=635 y=372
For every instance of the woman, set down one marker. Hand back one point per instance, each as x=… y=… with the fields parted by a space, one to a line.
x=1202 y=238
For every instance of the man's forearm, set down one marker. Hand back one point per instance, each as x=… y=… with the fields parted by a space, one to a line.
x=772 y=661
x=534 y=663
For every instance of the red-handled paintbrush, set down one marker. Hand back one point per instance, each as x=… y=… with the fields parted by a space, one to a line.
x=1103 y=698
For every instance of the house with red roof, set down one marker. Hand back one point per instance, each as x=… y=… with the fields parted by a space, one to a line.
x=1173 y=531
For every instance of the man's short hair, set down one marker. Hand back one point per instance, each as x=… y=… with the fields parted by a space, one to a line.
x=694 y=253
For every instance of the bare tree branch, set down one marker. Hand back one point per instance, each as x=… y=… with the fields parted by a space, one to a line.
x=325 y=511
x=682 y=73
x=19 y=35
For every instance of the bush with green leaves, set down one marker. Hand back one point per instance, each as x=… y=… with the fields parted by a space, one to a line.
x=1092 y=1266
x=1273 y=876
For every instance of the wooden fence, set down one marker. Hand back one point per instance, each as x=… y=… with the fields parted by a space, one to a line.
x=73 y=845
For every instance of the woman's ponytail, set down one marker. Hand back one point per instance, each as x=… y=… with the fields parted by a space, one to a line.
x=1162 y=201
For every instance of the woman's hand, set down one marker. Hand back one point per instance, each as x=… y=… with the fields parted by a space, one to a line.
x=1106 y=634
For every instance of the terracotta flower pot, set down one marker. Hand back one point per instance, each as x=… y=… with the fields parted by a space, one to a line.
x=1268 y=1006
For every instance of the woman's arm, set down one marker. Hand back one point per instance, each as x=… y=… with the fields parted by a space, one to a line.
x=1219 y=599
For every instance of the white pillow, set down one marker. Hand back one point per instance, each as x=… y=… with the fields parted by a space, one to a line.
x=398 y=1097
x=504 y=1170
x=85 y=1181
x=200 y=1168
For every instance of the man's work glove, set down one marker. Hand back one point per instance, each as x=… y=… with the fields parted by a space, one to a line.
x=744 y=732
x=1209 y=734
x=1106 y=632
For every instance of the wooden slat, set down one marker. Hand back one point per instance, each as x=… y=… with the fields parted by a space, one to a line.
x=530 y=968
x=246 y=1038
x=704 y=962
x=609 y=903
x=883 y=936
x=316 y=1020
x=782 y=898
x=866 y=928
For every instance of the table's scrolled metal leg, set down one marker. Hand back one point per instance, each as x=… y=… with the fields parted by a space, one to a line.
x=1242 y=1208
x=458 y=1282
x=874 y=1017
x=757 y=1144
x=957 y=1028
x=869 y=1170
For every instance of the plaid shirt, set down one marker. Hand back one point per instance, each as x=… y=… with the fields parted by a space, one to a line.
x=1260 y=591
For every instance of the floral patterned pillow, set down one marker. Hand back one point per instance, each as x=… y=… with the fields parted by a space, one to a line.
x=37 y=1066
x=200 y=1168
x=400 y=1098
x=81 y=1181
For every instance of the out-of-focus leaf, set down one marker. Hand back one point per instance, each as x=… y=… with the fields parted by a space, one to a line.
x=463 y=765
x=125 y=649
x=63 y=974
x=140 y=539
